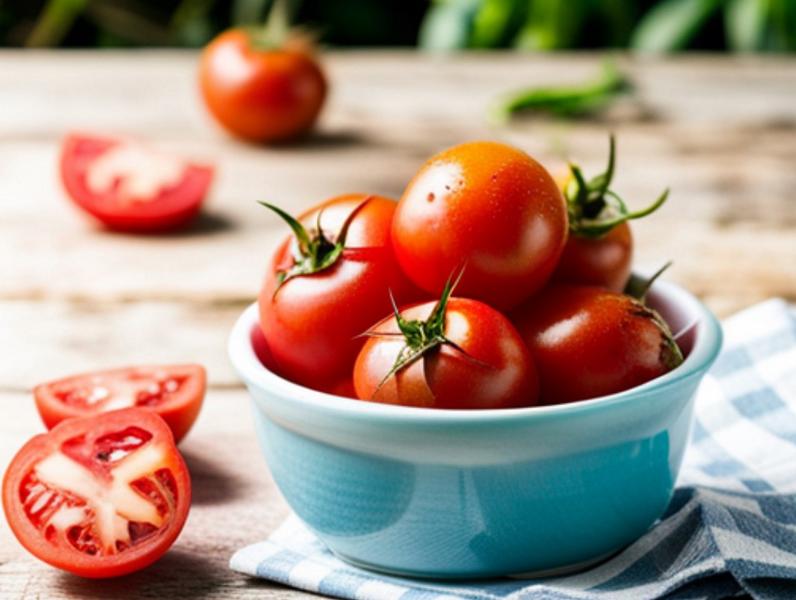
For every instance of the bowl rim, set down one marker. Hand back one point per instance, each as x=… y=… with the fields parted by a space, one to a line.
x=706 y=347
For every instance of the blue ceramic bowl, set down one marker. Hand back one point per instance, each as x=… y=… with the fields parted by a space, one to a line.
x=464 y=494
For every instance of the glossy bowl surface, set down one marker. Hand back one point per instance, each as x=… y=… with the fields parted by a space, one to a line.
x=465 y=494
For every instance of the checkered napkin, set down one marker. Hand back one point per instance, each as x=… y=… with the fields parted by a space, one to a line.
x=730 y=529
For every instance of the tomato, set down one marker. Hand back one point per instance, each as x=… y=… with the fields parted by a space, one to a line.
x=456 y=353
x=589 y=342
x=259 y=92
x=99 y=496
x=130 y=187
x=321 y=294
x=175 y=392
x=599 y=250
x=490 y=207
x=603 y=261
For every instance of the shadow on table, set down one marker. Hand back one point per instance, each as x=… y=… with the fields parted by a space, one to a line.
x=206 y=223
x=211 y=482
x=179 y=574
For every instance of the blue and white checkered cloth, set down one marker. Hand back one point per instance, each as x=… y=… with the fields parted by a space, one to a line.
x=729 y=531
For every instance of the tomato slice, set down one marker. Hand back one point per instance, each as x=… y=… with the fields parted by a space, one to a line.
x=175 y=392
x=131 y=187
x=100 y=496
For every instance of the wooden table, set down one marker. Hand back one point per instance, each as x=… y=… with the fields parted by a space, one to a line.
x=721 y=132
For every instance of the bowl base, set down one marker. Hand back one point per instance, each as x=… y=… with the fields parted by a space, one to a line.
x=408 y=573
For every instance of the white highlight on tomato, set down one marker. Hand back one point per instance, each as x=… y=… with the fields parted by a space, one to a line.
x=113 y=502
x=141 y=173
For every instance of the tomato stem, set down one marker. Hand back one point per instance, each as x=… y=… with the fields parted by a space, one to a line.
x=594 y=209
x=314 y=251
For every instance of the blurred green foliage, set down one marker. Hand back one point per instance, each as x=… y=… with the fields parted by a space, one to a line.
x=643 y=25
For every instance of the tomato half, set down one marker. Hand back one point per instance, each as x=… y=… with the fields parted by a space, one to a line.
x=483 y=362
x=131 y=187
x=100 y=496
x=312 y=322
x=490 y=207
x=175 y=392
x=589 y=342
x=261 y=94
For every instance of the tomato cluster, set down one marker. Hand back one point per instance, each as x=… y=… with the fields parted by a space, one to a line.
x=487 y=285
x=106 y=492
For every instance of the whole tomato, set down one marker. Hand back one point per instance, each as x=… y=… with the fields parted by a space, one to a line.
x=486 y=206
x=588 y=342
x=454 y=353
x=326 y=285
x=260 y=92
x=599 y=250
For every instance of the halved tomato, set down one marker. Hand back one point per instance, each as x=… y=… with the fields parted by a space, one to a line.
x=175 y=392
x=129 y=186
x=101 y=496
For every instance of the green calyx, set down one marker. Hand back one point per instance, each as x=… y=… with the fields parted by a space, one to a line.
x=638 y=288
x=422 y=337
x=314 y=251
x=594 y=209
x=276 y=31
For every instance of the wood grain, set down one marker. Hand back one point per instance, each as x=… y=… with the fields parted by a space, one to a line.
x=721 y=132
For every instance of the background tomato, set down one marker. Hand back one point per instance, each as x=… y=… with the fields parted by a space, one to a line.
x=489 y=366
x=99 y=496
x=313 y=321
x=589 y=342
x=175 y=392
x=261 y=94
x=490 y=207
x=130 y=187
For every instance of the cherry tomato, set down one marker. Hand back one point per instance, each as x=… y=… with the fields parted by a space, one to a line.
x=175 y=392
x=589 y=342
x=454 y=353
x=603 y=261
x=599 y=250
x=130 y=187
x=490 y=207
x=261 y=94
x=99 y=496
x=321 y=294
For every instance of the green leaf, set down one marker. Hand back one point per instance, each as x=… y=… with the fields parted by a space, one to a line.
x=496 y=23
x=54 y=22
x=564 y=101
x=248 y=12
x=672 y=24
x=745 y=23
x=448 y=25
x=552 y=24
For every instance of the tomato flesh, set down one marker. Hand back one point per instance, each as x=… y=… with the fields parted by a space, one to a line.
x=175 y=392
x=100 y=496
x=130 y=187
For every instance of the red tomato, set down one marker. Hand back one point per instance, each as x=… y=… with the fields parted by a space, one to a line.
x=261 y=94
x=589 y=342
x=490 y=207
x=311 y=321
x=99 y=496
x=130 y=187
x=479 y=360
x=603 y=261
x=175 y=392
x=599 y=250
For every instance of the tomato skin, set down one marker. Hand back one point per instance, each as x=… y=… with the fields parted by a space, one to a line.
x=172 y=208
x=66 y=557
x=499 y=373
x=313 y=322
x=488 y=207
x=604 y=261
x=589 y=342
x=261 y=95
x=179 y=409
